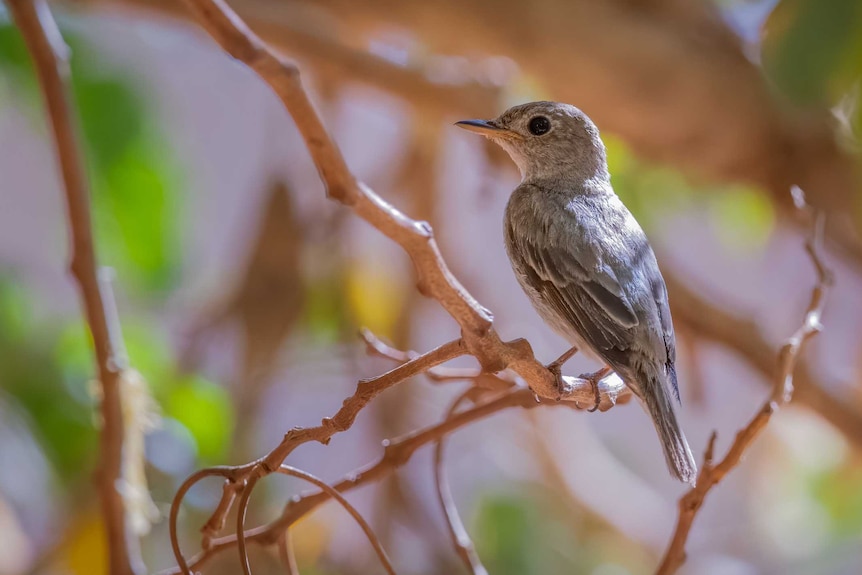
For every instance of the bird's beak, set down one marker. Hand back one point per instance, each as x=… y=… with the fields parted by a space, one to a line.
x=484 y=127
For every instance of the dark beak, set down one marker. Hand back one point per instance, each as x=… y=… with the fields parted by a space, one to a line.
x=484 y=127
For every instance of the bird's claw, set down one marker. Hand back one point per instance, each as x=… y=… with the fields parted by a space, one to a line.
x=594 y=379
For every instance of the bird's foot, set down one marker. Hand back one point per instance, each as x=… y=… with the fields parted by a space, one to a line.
x=555 y=367
x=594 y=379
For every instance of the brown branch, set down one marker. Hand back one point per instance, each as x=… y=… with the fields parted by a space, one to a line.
x=369 y=533
x=378 y=347
x=396 y=453
x=50 y=57
x=287 y=554
x=457 y=532
x=237 y=477
x=744 y=337
x=710 y=475
x=320 y=47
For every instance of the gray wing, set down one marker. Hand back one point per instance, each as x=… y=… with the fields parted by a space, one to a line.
x=574 y=279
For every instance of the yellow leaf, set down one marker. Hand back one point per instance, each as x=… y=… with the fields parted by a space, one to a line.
x=85 y=551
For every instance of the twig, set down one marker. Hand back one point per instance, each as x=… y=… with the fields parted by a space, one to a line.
x=287 y=553
x=396 y=453
x=241 y=510
x=237 y=477
x=457 y=532
x=50 y=57
x=369 y=533
x=710 y=475
x=441 y=374
x=745 y=338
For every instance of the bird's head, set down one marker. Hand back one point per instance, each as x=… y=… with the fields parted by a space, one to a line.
x=547 y=140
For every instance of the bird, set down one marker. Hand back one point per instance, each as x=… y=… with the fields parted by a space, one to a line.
x=586 y=264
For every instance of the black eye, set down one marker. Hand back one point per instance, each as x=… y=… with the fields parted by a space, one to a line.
x=539 y=125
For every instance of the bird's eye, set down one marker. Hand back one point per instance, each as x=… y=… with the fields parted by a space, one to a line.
x=539 y=125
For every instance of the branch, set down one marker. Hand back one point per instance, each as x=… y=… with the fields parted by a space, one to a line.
x=287 y=554
x=416 y=238
x=457 y=532
x=743 y=336
x=372 y=538
x=240 y=479
x=396 y=453
x=50 y=57
x=318 y=44
x=782 y=391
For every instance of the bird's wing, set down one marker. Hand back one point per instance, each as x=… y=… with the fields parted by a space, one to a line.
x=582 y=289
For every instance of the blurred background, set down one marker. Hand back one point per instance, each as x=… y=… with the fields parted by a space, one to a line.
x=241 y=288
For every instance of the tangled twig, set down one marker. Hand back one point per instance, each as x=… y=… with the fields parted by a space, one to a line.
x=396 y=453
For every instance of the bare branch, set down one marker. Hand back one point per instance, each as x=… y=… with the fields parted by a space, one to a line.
x=396 y=453
x=744 y=337
x=237 y=477
x=241 y=510
x=457 y=532
x=369 y=533
x=381 y=348
x=50 y=54
x=710 y=475
x=287 y=554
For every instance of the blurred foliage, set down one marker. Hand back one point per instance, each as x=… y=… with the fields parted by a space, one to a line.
x=45 y=366
x=812 y=49
x=517 y=534
x=135 y=184
x=35 y=371
x=85 y=551
x=838 y=493
x=743 y=217
x=205 y=409
x=375 y=299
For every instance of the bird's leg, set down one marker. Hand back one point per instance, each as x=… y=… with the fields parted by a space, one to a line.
x=555 y=366
x=594 y=379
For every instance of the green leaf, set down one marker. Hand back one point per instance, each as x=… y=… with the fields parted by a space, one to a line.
x=838 y=492
x=812 y=48
x=205 y=409
x=742 y=217
x=136 y=192
x=136 y=218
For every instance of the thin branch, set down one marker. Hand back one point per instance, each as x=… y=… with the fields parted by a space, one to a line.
x=396 y=453
x=287 y=554
x=457 y=532
x=241 y=510
x=50 y=57
x=369 y=533
x=744 y=337
x=710 y=475
x=237 y=477
x=226 y=472
x=378 y=347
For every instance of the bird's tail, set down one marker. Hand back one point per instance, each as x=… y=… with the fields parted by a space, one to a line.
x=659 y=403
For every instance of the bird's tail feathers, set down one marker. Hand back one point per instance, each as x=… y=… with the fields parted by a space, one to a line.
x=658 y=402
